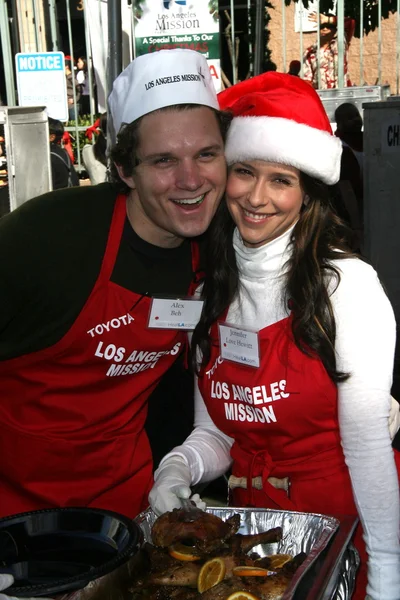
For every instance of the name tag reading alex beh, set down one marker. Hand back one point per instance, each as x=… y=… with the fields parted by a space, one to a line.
x=174 y=314
x=239 y=345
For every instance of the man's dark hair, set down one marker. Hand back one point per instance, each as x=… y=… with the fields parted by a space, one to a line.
x=124 y=152
x=56 y=128
x=68 y=63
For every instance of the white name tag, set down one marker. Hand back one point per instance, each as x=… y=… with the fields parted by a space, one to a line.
x=174 y=314
x=239 y=345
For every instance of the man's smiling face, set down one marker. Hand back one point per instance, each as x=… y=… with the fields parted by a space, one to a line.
x=181 y=175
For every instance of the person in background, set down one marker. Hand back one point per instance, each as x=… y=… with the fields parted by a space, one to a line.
x=62 y=170
x=4 y=192
x=73 y=111
x=294 y=68
x=349 y=131
x=328 y=53
x=83 y=80
x=94 y=155
x=349 y=125
x=79 y=359
x=293 y=394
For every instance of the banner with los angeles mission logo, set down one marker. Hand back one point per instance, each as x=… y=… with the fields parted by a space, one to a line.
x=193 y=24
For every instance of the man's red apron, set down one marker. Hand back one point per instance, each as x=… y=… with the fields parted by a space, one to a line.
x=283 y=417
x=72 y=416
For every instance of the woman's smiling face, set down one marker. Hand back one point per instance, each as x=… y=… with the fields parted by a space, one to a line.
x=264 y=199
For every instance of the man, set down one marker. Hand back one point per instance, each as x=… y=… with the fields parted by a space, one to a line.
x=83 y=288
x=62 y=170
x=328 y=54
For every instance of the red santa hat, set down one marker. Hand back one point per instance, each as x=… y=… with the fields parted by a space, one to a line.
x=280 y=118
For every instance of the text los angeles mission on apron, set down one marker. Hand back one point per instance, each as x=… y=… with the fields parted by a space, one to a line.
x=283 y=417
x=73 y=415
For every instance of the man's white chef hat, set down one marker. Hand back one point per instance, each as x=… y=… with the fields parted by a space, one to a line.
x=160 y=79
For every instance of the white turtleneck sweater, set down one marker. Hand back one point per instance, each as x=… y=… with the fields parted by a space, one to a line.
x=365 y=342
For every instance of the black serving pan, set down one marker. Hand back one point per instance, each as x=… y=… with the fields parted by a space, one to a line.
x=55 y=551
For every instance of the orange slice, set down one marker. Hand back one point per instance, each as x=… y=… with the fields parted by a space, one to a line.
x=278 y=560
x=246 y=571
x=211 y=573
x=242 y=596
x=184 y=553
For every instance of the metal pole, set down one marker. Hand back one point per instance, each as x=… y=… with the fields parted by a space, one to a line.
x=398 y=49
x=249 y=33
x=379 y=42
x=89 y=62
x=234 y=78
x=71 y=49
x=301 y=38
x=362 y=40
x=341 y=42
x=132 y=47
x=318 y=47
x=259 y=37
x=53 y=24
x=6 y=52
x=15 y=28
x=114 y=41
x=284 y=35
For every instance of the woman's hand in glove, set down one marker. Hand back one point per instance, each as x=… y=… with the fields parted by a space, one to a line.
x=172 y=482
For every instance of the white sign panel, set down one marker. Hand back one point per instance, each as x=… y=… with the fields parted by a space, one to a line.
x=390 y=136
x=41 y=82
x=164 y=24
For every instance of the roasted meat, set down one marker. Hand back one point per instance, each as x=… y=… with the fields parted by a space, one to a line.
x=201 y=528
x=184 y=542
x=265 y=588
x=226 y=588
x=273 y=587
x=181 y=575
x=247 y=542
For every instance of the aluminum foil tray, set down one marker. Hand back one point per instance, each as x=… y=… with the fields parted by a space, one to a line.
x=302 y=532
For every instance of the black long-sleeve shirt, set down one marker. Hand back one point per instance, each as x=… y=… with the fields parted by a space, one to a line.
x=51 y=252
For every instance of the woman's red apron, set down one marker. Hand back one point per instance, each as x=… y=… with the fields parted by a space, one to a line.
x=283 y=417
x=72 y=416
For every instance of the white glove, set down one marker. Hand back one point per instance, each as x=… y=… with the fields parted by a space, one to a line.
x=171 y=482
x=5 y=581
x=394 y=418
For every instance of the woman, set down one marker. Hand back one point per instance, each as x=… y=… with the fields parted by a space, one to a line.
x=307 y=428
x=94 y=155
x=83 y=80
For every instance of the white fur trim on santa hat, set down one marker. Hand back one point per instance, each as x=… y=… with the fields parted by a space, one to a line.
x=284 y=141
